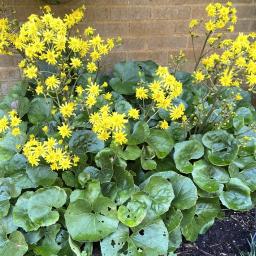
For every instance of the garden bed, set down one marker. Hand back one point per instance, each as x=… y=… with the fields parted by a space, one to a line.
x=227 y=237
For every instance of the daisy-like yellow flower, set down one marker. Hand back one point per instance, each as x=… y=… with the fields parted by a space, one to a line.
x=39 y=89
x=79 y=90
x=31 y=72
x=15 y=121
x=92 y=67
x=67 y=109
x=238 y=97
x=45 y=129
x=108 y=96
x=134 y=113
x=3 y=124
x=64 y=131
x=120 y=138
x=90 y=101
x=193 y=23
x=199 y=76
x=52 y=82
x=76 y=62
x=177 y=111
x=141 y=93
x=16 y=131
x=163 y=124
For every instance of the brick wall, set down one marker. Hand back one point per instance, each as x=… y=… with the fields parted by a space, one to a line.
x=151 y=29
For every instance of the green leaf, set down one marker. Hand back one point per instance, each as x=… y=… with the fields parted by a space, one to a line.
x=132 y=214
x=186 y=151
x=40 y=110
x=48 y=246
x=151 y=240
x=248 y=176
x=175 y=240
x=34 y=209
x=161 y=142
x=206 y=210
x=184 y=189
x=139 y=134
x=125 y=77
x=15 y=245
x=111 y=245
x=123 y=106
x=41 y=175
x=105 y=161
x=222 y=147
x=88 y=208
x=129 y=153
x=85 y=141
x=236 y=196
x=209 y=177
x=160 y=192
x=173 y=219
x=147 y=162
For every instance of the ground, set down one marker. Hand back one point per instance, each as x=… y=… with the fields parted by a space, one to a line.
x=227 y=237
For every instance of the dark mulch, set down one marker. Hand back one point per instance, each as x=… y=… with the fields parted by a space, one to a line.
x=227 y=237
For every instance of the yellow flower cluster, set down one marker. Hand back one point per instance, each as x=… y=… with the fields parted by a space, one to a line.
x=47 y=39
x=106 y=124
x=49 y=151
x=163 y=91
x=10 y=122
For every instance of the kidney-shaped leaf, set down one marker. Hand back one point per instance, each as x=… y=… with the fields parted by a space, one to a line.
x=236 y=196
x=185 y=151
x=90 y=216
x=161 y=142
x=222 y=147
x=209 y=177
x=34 y=209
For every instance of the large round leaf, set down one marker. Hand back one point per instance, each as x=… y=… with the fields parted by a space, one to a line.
x=161 y=142
x=248 y=176
x=14 y=246
x=90 y=216
x=161 y=194
x=186 y=151
x=185 y=191
x=139 y=133
x=236 y=196
x=125 y=77
x=34 y=209
x=222 y=147
x=40 y=110
x=209 y=177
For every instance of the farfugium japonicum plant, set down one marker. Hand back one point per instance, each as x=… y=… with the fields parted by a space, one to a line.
x=129 y=162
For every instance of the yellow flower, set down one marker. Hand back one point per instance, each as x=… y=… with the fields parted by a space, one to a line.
x=89 y=31
x=120 y=138
x=226 y=78
x=199 y=76
x=67 y=109
x=92 y=67
x=52 y=82
x=79 y=90
x=193 y=23
x=90 y=101
x=210 y=26
x=134 y=113
x=238 y=97
x=141 y=93
x=93 y=90
x=31 y=72
x=16 y=131
x=15 y=121
x=177 y=111
x=65 y=163
x=118 y=121
x=76 y=62
x=163 y=124
x=104 y=135
x=45 y=129
x=64 y=131
x=108 y=96
x=3 y=124
x=39 y=89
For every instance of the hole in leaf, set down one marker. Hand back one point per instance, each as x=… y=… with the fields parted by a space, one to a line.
x=113 y=243
x=141 y=232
